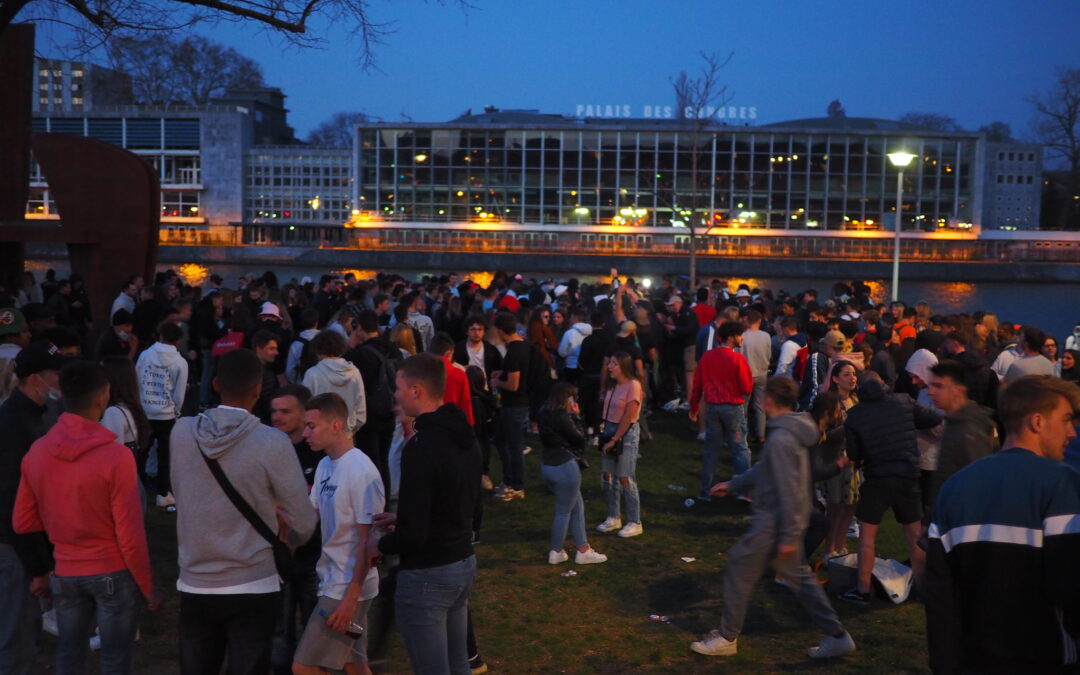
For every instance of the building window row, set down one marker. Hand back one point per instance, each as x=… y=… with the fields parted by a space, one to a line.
x=1016 y=156
x=1015 y=180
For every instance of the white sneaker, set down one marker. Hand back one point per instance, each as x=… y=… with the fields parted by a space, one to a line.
x=556 y=557
x=853 y=530
x=95 y=643
x=167 y=500
x=609 y=525
x=672 y=405
x=526 y=450
x=684 y=406
x=715 y=644
x=631 y=530
x=49 y=623
x=832 y=646
x=701 y=436
x=589 y=557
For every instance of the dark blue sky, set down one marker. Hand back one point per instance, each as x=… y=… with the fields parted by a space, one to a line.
x=976 y=60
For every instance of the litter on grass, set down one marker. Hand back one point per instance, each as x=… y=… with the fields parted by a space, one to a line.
x=659 y=618
x=676 y=488
x=688 y=560
x=568 y=573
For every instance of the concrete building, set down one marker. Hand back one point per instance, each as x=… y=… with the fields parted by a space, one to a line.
x=1014 y=177
x=76 y=87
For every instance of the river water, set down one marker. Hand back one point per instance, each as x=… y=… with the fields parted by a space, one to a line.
x=1054 y=307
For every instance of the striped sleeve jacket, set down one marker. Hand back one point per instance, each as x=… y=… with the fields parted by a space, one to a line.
x=1002 y=587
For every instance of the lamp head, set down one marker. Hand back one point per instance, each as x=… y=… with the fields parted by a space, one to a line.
x=900 y=159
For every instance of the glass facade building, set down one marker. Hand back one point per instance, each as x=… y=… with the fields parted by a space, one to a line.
x=529 y=168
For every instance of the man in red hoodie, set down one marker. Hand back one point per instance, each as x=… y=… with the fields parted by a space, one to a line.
x=80 y=486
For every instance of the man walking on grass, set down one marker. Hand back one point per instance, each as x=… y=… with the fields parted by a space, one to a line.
x=780 y=482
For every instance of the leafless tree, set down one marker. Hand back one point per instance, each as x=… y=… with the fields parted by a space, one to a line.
x=338 y=130
x=97 y=21
x=697 y=99
x=1057 y=127
x=164 y=69
x=935 y=121
x=997 y=132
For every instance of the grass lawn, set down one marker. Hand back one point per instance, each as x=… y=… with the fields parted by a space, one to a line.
x=530 y=619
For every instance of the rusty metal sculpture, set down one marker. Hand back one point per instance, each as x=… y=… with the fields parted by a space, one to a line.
x=108 y=199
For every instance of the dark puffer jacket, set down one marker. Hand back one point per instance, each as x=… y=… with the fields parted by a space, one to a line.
x=880 y=431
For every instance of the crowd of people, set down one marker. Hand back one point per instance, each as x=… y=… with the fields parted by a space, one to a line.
x=323 y=443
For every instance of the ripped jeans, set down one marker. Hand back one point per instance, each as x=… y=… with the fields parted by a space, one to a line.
x=724 y=423
x=619 y=478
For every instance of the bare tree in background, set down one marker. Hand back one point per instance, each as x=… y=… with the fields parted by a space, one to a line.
x=935 y=121
x=191 y=70
x=697 y=99
x=338 y=130
x=1057 y=126
x=836 y=110
x=997 y=132
x=96 y=22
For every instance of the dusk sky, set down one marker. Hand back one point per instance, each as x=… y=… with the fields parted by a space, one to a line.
x=975 y=60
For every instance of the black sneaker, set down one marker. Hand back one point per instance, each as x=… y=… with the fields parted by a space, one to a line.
x=853 y=596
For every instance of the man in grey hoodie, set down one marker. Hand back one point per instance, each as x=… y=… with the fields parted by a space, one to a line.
x=228 y=581
x=781 y=485
x=333 y=374
x=163 y=376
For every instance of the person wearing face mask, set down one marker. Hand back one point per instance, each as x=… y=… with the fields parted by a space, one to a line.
x=120 y=341
x=1073 y=341
x=24 y=559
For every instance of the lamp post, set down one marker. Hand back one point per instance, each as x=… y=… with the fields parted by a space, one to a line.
x=900 y=160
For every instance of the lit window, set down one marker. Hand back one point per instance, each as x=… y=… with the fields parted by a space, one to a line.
x=77 y=100
x=77 y=73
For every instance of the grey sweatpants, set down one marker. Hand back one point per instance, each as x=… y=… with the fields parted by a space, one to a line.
x=747 y=561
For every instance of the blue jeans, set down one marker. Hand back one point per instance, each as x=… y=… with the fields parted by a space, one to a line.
x=613 y=470
x=17 y=611
x=510 y=439
x=115 y=601
x=724 y=423
x=565 y=481
x=432 y=614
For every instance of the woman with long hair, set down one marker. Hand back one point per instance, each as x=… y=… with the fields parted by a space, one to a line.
x=619 y=439
x=560 y=467
x=841 y=490
x=401 y=336
x=827 y=462
x=125 y=416
x=1070 y=365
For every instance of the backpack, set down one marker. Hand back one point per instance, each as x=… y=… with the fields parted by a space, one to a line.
x=307 y=358
x=380 y=401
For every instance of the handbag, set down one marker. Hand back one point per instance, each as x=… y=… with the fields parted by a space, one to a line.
x=283 y=558
x=608 y=431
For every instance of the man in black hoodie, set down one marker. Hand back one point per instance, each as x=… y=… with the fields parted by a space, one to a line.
x=432 y=530
x=880 y=432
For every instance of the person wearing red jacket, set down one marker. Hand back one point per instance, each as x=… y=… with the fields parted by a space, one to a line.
x=457 y=383
x=80 y=486
x=724 y=381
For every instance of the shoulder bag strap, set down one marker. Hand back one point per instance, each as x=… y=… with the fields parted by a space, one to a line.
x=242 y=506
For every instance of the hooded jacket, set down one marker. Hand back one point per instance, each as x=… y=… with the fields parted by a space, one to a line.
x=881 y=429
x=217 y=546
x=780 y=481
x=570 y=345
x=440 y=484
x=163 y=375
x=81 y=487
x=341 y=377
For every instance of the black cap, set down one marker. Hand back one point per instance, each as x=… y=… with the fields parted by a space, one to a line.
x=121 y=317
x=39 y=356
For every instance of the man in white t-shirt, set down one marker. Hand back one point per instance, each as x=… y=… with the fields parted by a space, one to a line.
x=347 y=493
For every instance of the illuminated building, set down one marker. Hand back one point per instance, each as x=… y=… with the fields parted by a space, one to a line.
x=816 y=174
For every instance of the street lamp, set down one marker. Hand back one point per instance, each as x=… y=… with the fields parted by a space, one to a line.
x=900 y=160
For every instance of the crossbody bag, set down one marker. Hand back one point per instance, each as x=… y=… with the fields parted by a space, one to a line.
x=283 y=557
